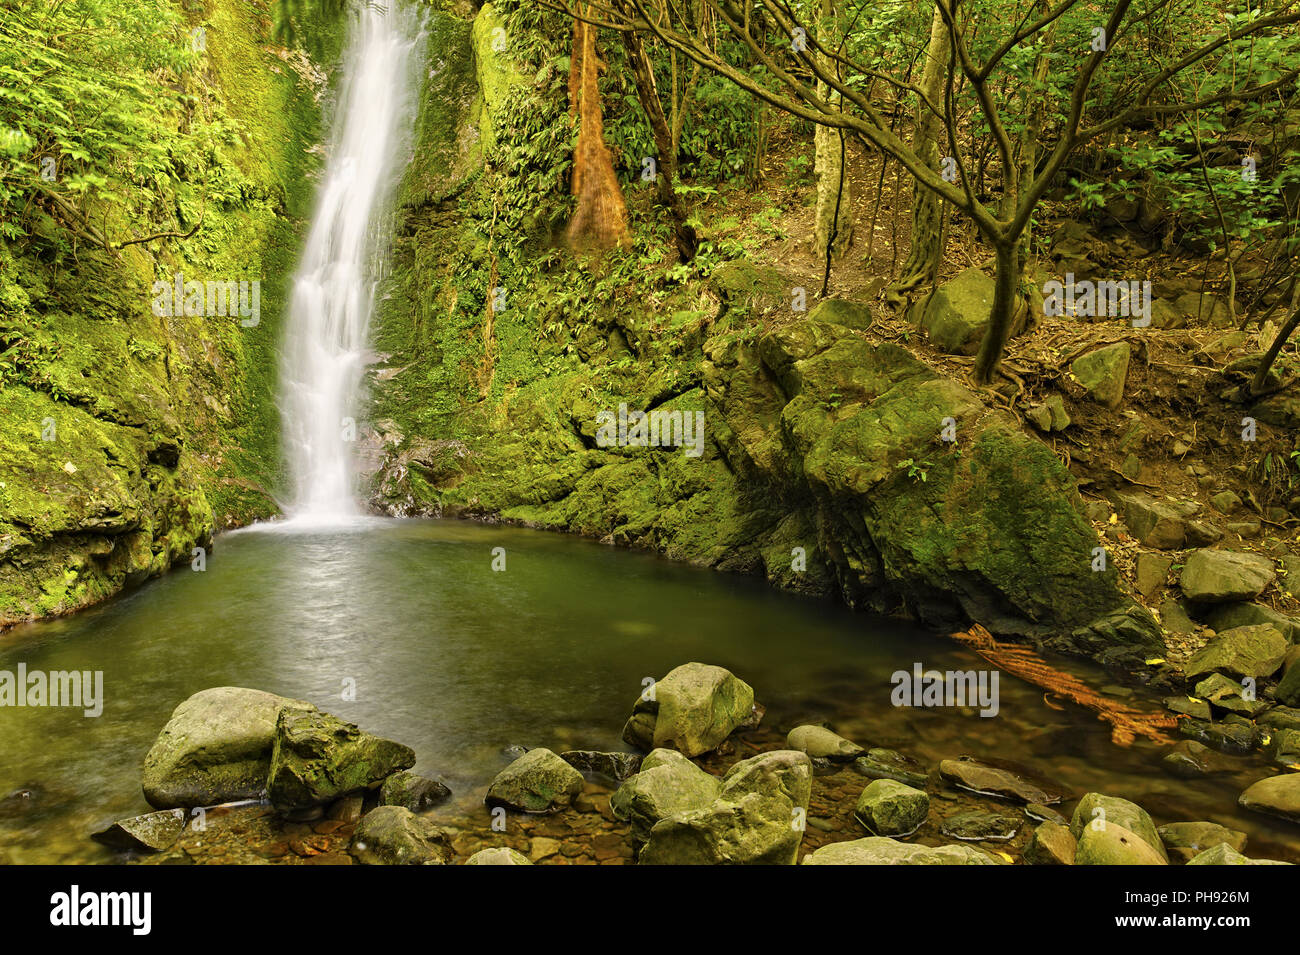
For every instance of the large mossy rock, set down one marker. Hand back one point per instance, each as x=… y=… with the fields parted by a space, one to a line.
x=890 y=808
x=1097 y=812
x=318 y=757
x=1218 y=576
x=1112 y=844
x=1275 y=796
x=416 y=793
x=668 y=783
x=1103 y=373
x=695 y=707
x=538 y=781
x=756 y=819
x=957 y=315
x=878 y=850
x=215 y=748
x=393 y=835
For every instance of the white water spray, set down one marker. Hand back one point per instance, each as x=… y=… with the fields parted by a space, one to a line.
x=333 y=291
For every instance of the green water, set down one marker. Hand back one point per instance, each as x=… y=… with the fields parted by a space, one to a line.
x=460 y=661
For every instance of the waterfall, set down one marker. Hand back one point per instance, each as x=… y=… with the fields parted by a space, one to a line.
x=334 y=288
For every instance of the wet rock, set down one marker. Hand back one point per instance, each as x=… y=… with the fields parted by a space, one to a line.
x=501 y=855
x=668 y=783
x=1097 y=811
x=1184 y=840
x=1255 y=651
x=1288 y=688
x=1225 y=693
x=1282 y=717
x=347 y=808
x=215 y=748
x=786 y=773
x=616 y=766
x=1224 y=854
x=318 y=757
x=1103 y=373
x=890 y=808
x=538 y=781
x=878 y=850
x=416 y=793
x=152 y=832
x=695 y=707
x=1113 y=844
x=1284 y=748
x=1195 y=707
x=975 y=825
x=393 y=835
x=1051 y=844
x=989 y=779
x=1275 y=796
x=1189 y=759
x=1218 y=576
x=1235 y=739
x=1045 y=814
x=821 y=743
x=881 y=763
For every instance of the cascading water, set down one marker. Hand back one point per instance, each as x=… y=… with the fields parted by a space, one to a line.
x=333 y=291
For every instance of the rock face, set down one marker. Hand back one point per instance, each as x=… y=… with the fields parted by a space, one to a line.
x=878 y=850
x=695 y=707
x=1103 y=373
x=151 y=832
x=1276 y=796
x=498 y=856
x=318 y=757
x=668 y=783
x=538 y=781
x=889 y=808
x=819 y=742
x=392 y=835
x=215 y=748
x=756 y=818
x=1254 y=651
x=1216 y=576
x=1097 y=812
x=416 y=793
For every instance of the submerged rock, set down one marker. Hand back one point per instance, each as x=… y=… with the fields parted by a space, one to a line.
x=976 y=825
x=988 y=779
x=416 y=793
x=1189 y=759
x=318 y=758
x=215 y=748
x=501 y=855
x=393 y=835
x=878 y=850
x=695 y=707
x=887 y=764
x=819 y=742
x=538 y=781
x=152 y=832
x=889 y=808
x=1235 y=739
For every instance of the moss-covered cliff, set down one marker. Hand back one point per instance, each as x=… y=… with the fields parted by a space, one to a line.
x=130 y=435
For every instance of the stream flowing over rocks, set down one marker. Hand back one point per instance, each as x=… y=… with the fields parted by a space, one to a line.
x=285 y=782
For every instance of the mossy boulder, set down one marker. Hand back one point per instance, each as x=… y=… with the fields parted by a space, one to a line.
x=890 y=808
x=1254 y=651
x=393 y=835
x=216 y=748
x=538 y=781
x=668 y=783
x=1276 y=796
x=957 y=315
x=1112 y=844
x=318 y=757
x=1097 y=812
x=1051 y=844
x=1103 y=373
x=695 y=707
x=416 y=793
x=1219 y=576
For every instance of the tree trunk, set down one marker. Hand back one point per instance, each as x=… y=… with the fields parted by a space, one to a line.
x=834 y=223
x=647 y=93
x=926 y=250
x=600 y=218
x=1005 y=305
x=1266 y=365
